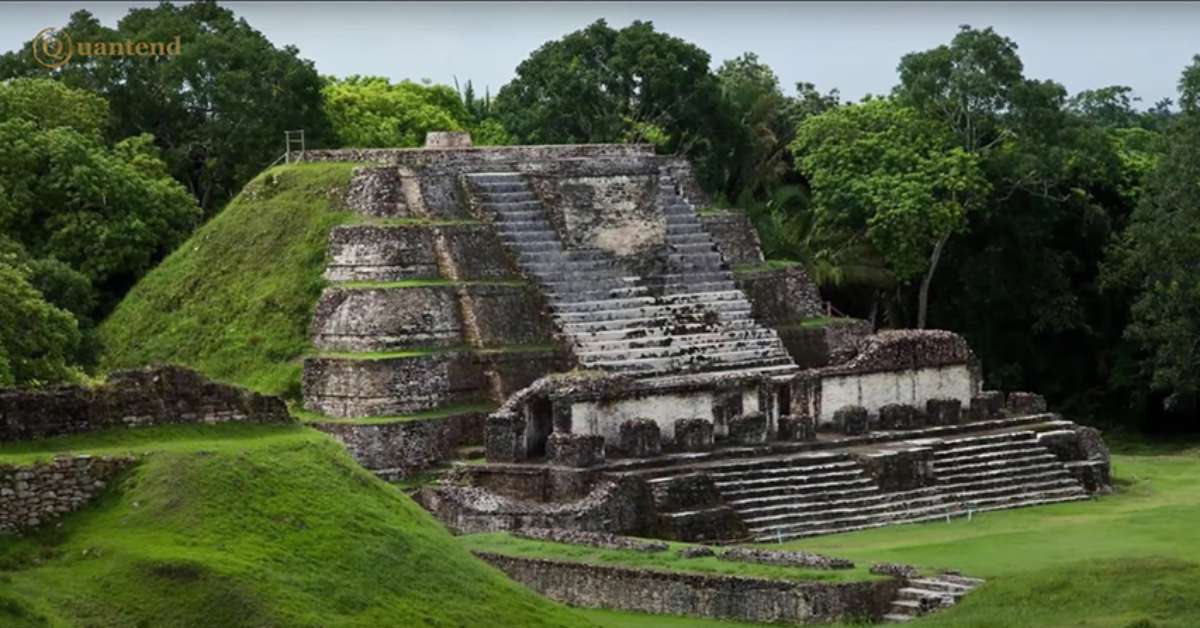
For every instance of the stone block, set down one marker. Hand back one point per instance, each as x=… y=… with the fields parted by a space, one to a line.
x=575 y=450
x=693 y=435
x=900 y=470
x=898 y=416
x=694 y=491
x=712 y=524
x=987 y=405
x=943 y=411
x=447 y=139
x=504 y=437
x=851 y=420
x=640 y=438
x=1063 y=443
x=1021 y=403
x=748 y=429
x=1094 y=475
x=797 y=428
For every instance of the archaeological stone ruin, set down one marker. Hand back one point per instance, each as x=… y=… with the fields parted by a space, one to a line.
x=630 y=364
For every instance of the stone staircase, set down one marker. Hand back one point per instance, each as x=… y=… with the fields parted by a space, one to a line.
x=691 y=318
x=922 y=596
x=814 y=493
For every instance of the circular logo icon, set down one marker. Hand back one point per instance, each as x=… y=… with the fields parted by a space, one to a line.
x=52 y=48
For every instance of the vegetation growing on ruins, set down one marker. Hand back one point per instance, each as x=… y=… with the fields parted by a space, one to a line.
x=240 y=525
x=668 y=560
x=234 y=301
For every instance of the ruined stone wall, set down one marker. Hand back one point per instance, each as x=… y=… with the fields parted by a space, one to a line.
x=619 y=506
x=399 y=449
x=822 y=345
x=781 y=295
x=382 y=319
x=604 y=417
x=37 y=493
x=390 y=386
x=710 y=596
x=903 y=366
x=735 y=237
x=134 y=398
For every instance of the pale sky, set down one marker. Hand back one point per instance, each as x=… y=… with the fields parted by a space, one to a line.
x=853 y=46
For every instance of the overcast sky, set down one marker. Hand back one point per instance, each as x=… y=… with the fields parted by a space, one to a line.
x=853 y=46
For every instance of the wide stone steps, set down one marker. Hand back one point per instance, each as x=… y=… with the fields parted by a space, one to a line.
x=781 y=468
x=748 y=496
x=665 y=309
x=815 y=513
x=925 y=595
x=677 y=349
x=682 y=299
x=702 y=324
x=731 y=359
x=933 y=513
x=747 y=334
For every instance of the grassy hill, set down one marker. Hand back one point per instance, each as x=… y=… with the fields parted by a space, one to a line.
x=235 y=300
x=242 y=525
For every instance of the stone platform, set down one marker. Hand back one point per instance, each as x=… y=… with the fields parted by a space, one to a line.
x=784 y=490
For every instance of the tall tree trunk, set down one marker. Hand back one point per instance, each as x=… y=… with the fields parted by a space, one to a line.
x=923 y=295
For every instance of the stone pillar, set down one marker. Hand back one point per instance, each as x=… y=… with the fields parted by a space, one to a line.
x=943 y=411
x=987 y=405
x=504 y=438
x=748 y=429
x=1021 y=403
x=851 y=420
x=575 y=450
x=898 y=416
x=797 y=428
x=640 y=438
x=693 y=435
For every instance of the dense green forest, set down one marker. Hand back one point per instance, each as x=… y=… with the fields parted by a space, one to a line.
x=1059 y=232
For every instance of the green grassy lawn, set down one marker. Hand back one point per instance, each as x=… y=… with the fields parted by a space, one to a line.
x=1130 y=560
x=235 y=300
x=238 y=525
x=669 y=560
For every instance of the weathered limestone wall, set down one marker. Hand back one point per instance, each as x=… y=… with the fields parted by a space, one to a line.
x=399 y=449
x=397 y=252
x=834 y=342
x=620 y=506
x=710 y=596
x=908 y=367
x=347 y=388
x=34 y=494
x=781 y=295
x=604 y=417
x=151 y=396
x=381 y=319
x=875 y=390
x=735 y=237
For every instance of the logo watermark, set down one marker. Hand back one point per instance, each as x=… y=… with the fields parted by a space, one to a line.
x=53 y=48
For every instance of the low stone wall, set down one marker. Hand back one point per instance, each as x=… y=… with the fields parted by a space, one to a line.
x=711 y=596
x=396 y=450
x=31 y=495
x=618 y=506
x=151 y=396
x=781 y=295
x=735 y=237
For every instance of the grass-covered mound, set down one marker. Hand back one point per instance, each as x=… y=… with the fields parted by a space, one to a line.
x=249 y=526
x=235 y=300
